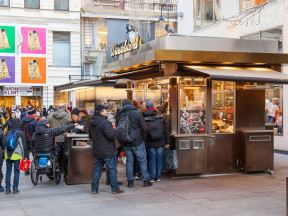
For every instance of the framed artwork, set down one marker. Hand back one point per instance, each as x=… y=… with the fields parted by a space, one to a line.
x=7 y=39
x=33 y=40
x=33 y=70
x=7 y=69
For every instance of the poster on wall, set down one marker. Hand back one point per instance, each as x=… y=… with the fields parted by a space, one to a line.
x=33 y=40
x=7 y=39
x=33 y=70
x=7 y=69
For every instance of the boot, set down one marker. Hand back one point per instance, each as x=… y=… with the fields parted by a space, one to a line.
x=130 y=184
x=147 y=183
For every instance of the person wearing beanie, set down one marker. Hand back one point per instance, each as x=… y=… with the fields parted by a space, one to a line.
x=13 y=157
x=103 y=137
x=28 y=128
x=76 y=119
x=155 y=141
x=135 y=145
x=43 y=138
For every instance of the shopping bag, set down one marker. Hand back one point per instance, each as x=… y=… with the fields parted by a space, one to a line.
x=171 y=161
x=24 y=165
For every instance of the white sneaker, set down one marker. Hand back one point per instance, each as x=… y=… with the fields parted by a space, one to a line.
x=157 y=180
x=152 y=181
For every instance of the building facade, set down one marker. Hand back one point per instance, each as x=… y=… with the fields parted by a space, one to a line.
x=247 y=19
x=39 y=49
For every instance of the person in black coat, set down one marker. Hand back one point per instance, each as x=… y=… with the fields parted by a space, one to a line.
x=103 y=137
x=155 y=140
x=2 y=149
x=137 y=131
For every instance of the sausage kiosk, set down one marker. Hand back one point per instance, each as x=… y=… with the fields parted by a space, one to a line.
x=215 y=91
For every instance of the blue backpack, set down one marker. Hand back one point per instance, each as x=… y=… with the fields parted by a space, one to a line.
x=12 y=140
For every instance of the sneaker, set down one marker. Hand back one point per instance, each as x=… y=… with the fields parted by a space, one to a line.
x=147 y=184
x=8 y=192
x=130 y=184
x=152 y=181
x=94 y=192
x=118 y=191
x=1 y=189
x=136 y=177
x=16 y=191
x=158 y=180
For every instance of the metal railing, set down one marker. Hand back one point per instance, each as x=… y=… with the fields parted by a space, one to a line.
x=73 y=78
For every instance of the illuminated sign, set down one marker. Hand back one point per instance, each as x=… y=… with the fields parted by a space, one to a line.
x=126 y=46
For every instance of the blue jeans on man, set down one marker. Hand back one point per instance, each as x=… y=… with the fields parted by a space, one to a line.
x=9 y=164
x=155 y=162
x=140 y=153
x=1 y=173
x=111 y=165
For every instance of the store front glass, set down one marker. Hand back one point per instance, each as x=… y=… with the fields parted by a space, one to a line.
x=6 y=101
x=192 y=103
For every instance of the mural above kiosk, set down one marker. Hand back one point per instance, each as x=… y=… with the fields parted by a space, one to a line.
x=34 y=40
x=7 y=69
x=33 y=70
x=7 y=39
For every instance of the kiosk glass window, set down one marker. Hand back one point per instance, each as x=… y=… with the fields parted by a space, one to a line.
x=223 y=107
x=192 y=101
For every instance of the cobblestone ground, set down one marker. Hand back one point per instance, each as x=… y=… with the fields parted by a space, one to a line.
x=237 y=194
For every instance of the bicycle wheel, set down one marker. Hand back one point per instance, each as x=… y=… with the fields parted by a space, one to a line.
x=34 y=173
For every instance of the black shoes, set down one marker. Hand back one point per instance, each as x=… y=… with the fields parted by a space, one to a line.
x=130 y=184
x=16 y=191
x=118 y=191
x=147 y=183
x=1 y=189
x=8 y=192
x=94 y=192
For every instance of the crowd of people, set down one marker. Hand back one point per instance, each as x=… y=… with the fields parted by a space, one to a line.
x=139 y=130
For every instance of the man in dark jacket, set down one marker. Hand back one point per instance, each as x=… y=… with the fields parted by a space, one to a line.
x=103 y=136
x=137 y=147
x=85 y=120
x=76 y=119
x=43 y=138
x=28 y=128
x=155 y=141
x=2 y=149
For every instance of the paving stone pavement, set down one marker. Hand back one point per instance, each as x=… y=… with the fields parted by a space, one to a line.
x=236 y=195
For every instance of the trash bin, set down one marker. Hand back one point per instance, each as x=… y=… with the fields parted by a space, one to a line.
x=78 y=159
x=257 y=150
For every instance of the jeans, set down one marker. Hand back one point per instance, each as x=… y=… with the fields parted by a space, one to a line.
x=155 y=162
x=140 y=153
x=271 y=119
x=59 y=148
x=9 y=164
x=111 y=165
x=1 y=165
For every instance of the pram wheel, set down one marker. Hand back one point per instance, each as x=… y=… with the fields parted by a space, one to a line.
x=34 y=173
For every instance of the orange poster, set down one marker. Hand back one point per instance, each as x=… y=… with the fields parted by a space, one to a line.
x=33 y=70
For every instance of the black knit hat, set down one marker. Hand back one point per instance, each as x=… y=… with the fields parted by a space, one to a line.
x=99 y=108
x=75 y=111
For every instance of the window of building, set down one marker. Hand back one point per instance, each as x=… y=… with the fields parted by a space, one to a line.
x=34 y=4
x=61 y=49
x=192 y=103
x=223 y=107
x=246 y=4
x=4 y=3
x=206 y=12
x=61 y=5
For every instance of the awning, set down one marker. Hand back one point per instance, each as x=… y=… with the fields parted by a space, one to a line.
x=247 y=74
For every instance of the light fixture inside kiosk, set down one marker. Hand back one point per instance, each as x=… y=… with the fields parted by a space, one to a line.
x=223 y=107
x=192 y=101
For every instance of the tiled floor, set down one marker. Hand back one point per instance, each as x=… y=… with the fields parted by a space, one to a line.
x=237 y=194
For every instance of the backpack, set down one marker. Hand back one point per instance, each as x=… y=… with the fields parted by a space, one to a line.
x=124 y=130
x=12 y=140
x=155 y=128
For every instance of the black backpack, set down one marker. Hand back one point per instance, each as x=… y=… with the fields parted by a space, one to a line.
x=125 y=130
x=155 y=127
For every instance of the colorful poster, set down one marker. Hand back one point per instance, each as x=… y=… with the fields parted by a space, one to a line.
x=34 y=40
x=7 y=39
x=7 y=69
x=33 y=70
